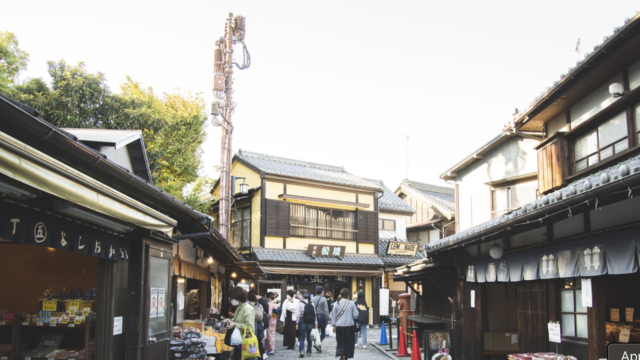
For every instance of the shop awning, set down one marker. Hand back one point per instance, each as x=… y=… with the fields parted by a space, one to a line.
x=189 y=270
x=36 y=169
x=616 y=252
x=320 y=271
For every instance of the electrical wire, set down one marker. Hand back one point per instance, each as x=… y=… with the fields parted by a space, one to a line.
x=246 y=56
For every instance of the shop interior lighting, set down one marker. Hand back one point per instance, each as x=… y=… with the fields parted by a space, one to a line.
x=73 y=211
x=210 y=259
x=10 y=189
x=251 y=285
x=180 y=281
x=234 y=275
x=243 y=281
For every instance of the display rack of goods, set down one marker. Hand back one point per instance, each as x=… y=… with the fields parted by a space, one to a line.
x=540 y=356
x=187 y=343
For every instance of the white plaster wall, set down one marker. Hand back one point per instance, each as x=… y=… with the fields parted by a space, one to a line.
x=559 y=123
x=634 y=75
x=401 y=222
x=593 y=103
x=119 y=156
x=514 y=157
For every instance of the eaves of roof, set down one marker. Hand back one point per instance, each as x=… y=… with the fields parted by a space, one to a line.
x=619 y=177
x=451 y=173
x=449 y=213
x=566 y=81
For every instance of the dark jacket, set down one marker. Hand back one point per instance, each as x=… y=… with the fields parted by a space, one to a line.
x=363 y=315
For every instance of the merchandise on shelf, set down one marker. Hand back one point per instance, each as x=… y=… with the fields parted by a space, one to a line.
x=540 y=356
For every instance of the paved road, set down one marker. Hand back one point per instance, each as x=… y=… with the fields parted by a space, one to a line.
x=329 y=349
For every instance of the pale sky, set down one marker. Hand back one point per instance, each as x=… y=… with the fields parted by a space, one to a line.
x=334 y=82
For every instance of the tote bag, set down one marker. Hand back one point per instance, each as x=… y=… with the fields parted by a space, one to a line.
x=249 y=345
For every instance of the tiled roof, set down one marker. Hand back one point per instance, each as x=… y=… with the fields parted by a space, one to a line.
x=442 y=196
x=564 y=198
x=389 y=235
x=589 y=57
x=300 y=256
x=396 y=259
x=390 y=201
x=274 y=165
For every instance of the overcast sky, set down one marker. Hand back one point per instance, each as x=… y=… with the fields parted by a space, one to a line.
x=334 y=82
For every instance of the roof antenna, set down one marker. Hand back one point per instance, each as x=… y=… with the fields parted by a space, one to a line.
x=407 y=136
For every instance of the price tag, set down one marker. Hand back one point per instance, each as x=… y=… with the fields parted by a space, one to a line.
x=628 y=314
x=52 y=324
x=72 y=325
x=39 y=324
x=614 y=314
x=624 y=335
x=3 y=323
x=26 y=323
x=49 y=305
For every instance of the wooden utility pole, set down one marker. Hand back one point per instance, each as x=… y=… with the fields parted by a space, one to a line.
x=223 y=90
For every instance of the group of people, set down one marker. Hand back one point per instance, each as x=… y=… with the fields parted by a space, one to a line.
x=301 y=314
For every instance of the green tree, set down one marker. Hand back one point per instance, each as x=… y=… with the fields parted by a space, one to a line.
x=12 y=60
x=173 y=125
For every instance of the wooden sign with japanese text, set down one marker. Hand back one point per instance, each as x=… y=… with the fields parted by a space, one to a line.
x=326 y=250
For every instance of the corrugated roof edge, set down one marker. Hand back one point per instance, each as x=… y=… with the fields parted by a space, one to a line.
x=291 y=161
x=591 y=186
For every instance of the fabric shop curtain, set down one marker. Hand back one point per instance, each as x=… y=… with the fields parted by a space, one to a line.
x=611 y=253
x=192 y=271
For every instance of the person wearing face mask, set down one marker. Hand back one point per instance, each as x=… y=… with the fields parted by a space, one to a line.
x=289 y=309
x=243 y=316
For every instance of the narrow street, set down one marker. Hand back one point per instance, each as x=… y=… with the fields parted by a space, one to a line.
x=329 y=349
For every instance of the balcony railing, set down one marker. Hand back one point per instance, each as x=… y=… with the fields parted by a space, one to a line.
x=322 y=232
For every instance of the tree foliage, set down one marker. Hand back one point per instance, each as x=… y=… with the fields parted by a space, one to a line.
x=12 y=60
x=172 y=125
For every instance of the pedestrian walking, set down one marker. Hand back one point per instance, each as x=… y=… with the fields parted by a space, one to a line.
x=288 y=316
x=344 y=316
x=270 y=343
x=330 y=300
x=306 y=320
x=322 y=312
x=363 y=319
x=243 y=316
x=252 y=299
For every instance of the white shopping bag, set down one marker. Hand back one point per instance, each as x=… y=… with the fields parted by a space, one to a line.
x=317 y=341
x=236 y=337
x=328 y=331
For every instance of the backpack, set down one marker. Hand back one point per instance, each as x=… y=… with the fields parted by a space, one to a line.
x=309 y=314
x=257 y=309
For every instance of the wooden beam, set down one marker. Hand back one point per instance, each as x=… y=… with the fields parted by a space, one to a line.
x=325 y=201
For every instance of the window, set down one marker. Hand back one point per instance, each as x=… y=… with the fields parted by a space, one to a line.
x=241 y=227
x=573 y=314
x=308 y=221
x=601 y=143
x=638 y=121
x=511 y=198
x=385 y=224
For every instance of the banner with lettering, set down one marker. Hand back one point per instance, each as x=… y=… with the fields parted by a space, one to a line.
x=28 y=226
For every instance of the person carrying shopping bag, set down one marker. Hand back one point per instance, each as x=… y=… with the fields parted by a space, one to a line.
x=322 y=312
x=244 y=317
x=343 y=318
x=306 y=321
x=363 y=318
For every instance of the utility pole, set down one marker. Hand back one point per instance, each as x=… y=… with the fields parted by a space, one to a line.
x=223 y=90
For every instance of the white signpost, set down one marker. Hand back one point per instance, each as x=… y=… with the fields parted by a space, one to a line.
x=554 y=333
x=384 y=302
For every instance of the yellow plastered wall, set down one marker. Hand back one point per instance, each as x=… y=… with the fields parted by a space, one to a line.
x=274 y=189
x=255 y=218
x=367 y=249
x=396 y=285
x=366 y=199
x=301 y=190
x=368 y=295
x=303 y=243
x=271 y=242
x=240 y=170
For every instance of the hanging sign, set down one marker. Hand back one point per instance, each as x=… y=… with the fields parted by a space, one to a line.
x=624 y=335
x=161 y=302
x=22 y=225
x=153 y=302
x=614 y=314
x=473 y=298
x=326 y=250
x=628 y=314
x=400 y=248
x=554 y=333
x=587 y=298
x=117 y=325
x=384 y=302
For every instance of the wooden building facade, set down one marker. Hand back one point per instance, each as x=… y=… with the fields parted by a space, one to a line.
x=570 y=255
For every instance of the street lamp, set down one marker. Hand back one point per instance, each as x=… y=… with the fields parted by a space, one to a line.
x=244 y=187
